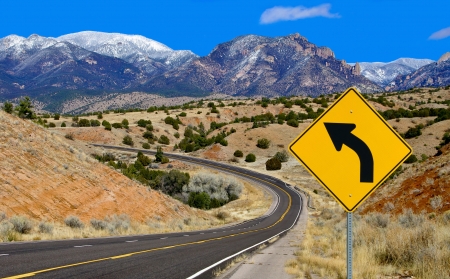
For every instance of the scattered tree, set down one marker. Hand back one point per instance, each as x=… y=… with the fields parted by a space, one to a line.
x=25 y=108
x=8 y=107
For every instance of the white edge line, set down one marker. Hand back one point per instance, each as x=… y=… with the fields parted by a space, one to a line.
x=240 y=252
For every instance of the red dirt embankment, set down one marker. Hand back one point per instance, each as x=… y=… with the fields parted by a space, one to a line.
x=43 y=177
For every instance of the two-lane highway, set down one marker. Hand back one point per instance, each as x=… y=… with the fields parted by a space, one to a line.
x=174 y=255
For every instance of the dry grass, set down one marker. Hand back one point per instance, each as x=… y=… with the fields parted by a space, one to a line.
x=406 y=245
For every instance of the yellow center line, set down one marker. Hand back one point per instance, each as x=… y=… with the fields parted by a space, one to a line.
x=166 y=247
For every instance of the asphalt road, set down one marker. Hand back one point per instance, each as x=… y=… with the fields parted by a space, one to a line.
x=174 y=255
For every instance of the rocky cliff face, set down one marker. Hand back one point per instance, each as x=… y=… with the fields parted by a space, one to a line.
x=256 y=65
x=432 y=75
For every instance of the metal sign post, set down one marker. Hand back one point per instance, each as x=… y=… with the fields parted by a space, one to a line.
x=349 y=245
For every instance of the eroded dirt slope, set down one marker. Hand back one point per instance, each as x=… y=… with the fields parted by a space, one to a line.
x=43 y=177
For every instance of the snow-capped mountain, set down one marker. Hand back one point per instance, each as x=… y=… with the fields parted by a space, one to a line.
x=148 y=55
x=431 y=75
x=383 y=73
x=257 y=65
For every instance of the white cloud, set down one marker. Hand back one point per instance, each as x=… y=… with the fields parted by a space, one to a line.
x=441 y=34
x=279 y=13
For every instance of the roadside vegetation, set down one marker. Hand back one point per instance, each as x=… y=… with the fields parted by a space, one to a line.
x=405 y=245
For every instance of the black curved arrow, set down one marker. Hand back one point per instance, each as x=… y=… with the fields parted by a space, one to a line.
x=341 y=133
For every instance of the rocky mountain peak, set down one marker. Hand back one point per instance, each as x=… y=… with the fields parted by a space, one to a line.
x=444 y=57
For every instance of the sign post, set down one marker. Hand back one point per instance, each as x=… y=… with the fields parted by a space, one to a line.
x=350 y=150
x=349 y=245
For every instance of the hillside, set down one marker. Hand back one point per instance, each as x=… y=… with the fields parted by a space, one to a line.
x=43 y=177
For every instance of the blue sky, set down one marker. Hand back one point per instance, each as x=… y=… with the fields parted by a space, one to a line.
x=356 y=30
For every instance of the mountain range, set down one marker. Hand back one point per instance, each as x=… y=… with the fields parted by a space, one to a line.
x=88 y=63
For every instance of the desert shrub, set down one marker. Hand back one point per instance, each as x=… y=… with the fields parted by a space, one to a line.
x=52 y=125
x=84 y=123
x=8 y=107
x=146 y=145
x=108 y=127
x=149 y=127
x=182 y=114
x=377 y=220
x=98 y=224
x=410 y=220
x=263 y=143
x=118 y=223
x=172 y=182
x=159 y=154
x=446 y=217
x=144 y=160
x=2 y=216
x=128 y=140
x=165 y=160
x=56 y=116
x=238 y=153
x=21 y=224
x=282 y=156
x=413 y=132
x=222 y=215
x=69 y=136
x=45 y=227
x=99 y=115
x=73 y=222
x=149 y=135
x=220 y=189
x=125 y=123
x=199 y=200
x=94 y=123
x=75 y=119
x=273 y=164
x=163 y=140
x=63 y=124
x=143 y=123
x=176 y=135
x=250 y=158
x=292 y=122
x=117 y=125
x=411 y=159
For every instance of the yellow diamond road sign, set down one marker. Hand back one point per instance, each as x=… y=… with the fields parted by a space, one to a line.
x=350 y=149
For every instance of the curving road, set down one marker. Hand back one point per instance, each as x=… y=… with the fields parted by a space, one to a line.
x=174 y=255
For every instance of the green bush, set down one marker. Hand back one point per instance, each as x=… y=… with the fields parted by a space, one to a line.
x=176 y=135
x=263 y=143
x=99 y=115
x=56 y=116
x=183 y=114
x=117 y=125
x=411 y=159
x=63 y=124
x=413 y=132
x=163 y=140
x=238 y=153
x=250 y=158
x=165 y=160
x=172 y=182
x=143 y=123
x=128 y=140
x=125 y=123
x=8 y=107
x=146 y=145
x=292 y=122
x=84 y=123
x=199 y=200
x=149 y=127
x=273 y=164
x=282 y=156
x=159 y=154
x=52 y=125
x=95 y=123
